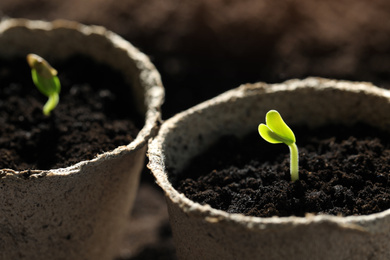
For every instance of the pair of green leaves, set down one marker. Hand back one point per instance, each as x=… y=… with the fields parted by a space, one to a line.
x=45 y=79
x=276 y=131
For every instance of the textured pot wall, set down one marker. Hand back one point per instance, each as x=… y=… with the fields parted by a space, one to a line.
x=77 y=212
x=317 y=238
x=76 y=216
x=201 y=232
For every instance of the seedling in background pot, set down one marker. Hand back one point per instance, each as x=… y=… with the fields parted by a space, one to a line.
x=276 y=131
x=45 y=79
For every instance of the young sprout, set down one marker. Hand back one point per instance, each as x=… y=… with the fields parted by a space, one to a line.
x=276 y=131
x=45 y=79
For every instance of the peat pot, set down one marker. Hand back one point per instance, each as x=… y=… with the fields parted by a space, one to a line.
x=202 y=232
x=76 y=212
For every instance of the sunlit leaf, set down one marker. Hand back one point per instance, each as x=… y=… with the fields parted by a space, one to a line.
x=279 y=127
x=269 y=135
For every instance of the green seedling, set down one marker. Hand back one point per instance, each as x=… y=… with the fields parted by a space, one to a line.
x=276 y=131
x=45 y=79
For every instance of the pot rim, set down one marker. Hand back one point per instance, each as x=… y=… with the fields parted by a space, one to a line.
x=154 y=93
x=209 y=214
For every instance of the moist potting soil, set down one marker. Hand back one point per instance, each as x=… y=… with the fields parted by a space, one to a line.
x=343 y=171
x=95 y=114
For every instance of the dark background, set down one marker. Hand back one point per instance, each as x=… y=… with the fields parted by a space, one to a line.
x=205 y=47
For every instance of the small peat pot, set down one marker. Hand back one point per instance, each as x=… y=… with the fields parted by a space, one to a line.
x=206 y=229
x=75 y=211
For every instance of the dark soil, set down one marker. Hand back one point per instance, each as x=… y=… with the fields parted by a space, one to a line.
x=343 y=171
x=91 y=118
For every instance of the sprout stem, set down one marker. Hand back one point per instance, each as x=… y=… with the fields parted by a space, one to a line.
x=294 y=162
x=51 y=103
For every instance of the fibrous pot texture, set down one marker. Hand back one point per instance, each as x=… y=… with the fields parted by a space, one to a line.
x=76 y=212
x=202 y=232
